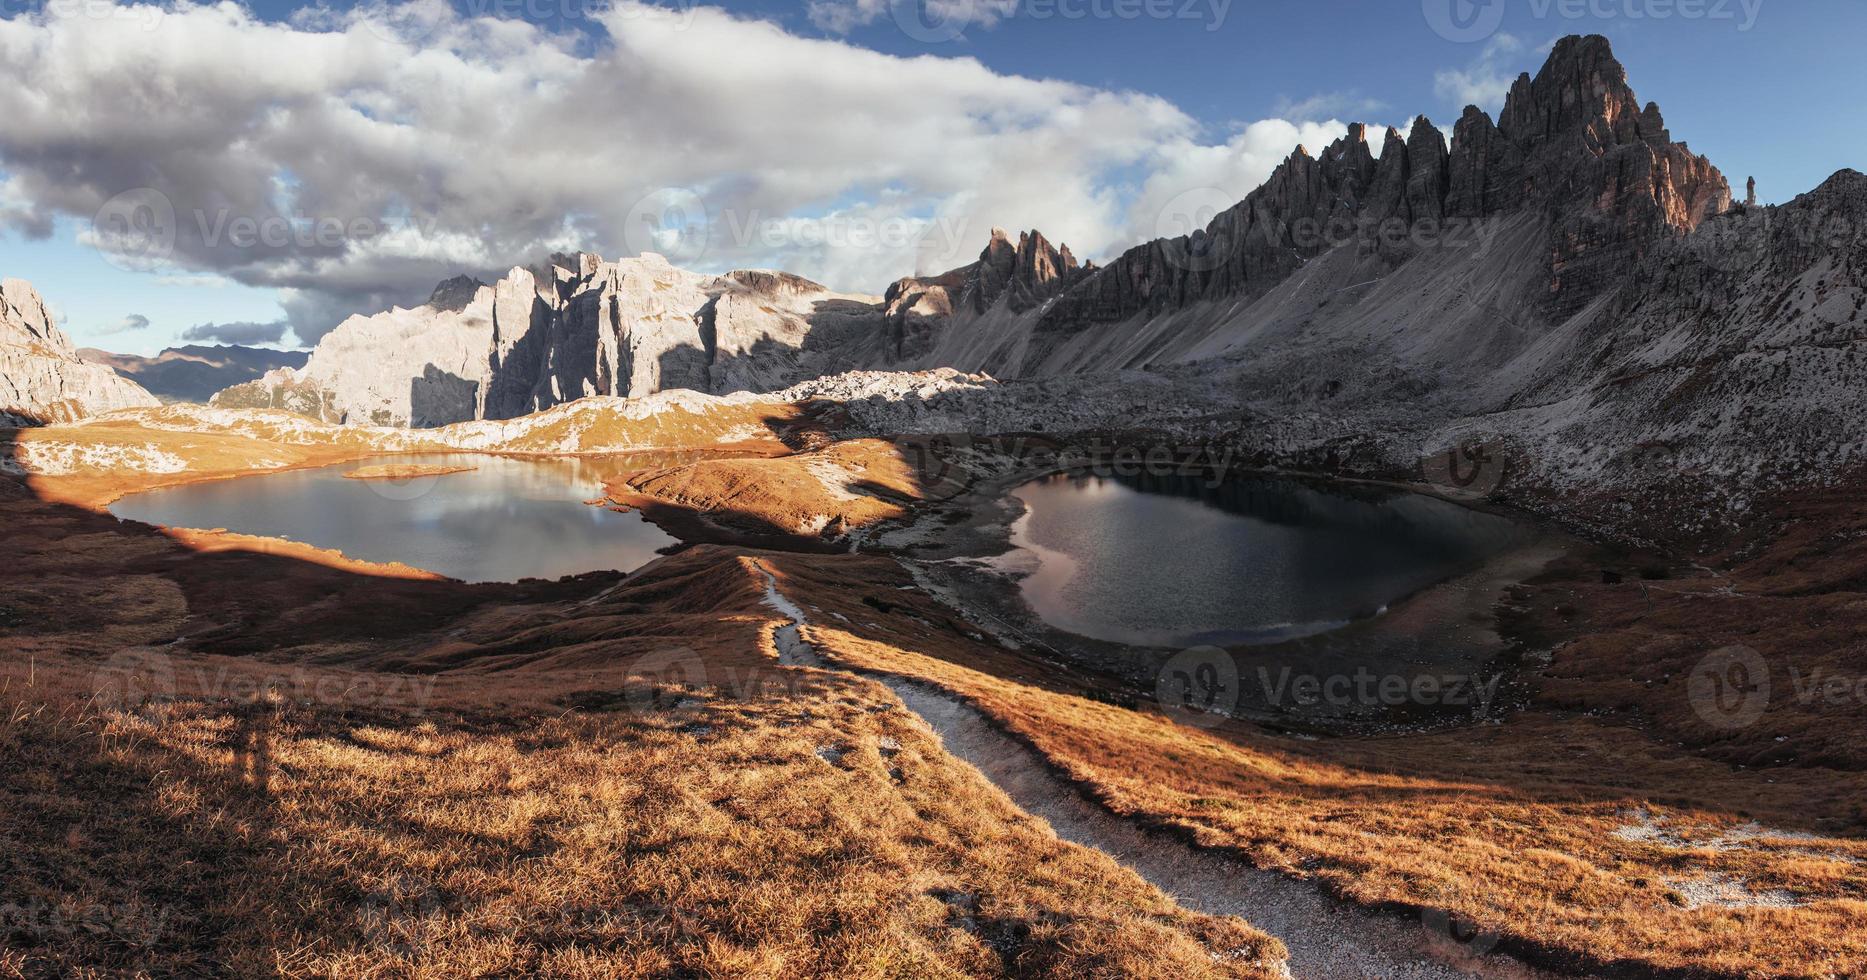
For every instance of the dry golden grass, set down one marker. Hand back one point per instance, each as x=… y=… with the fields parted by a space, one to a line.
x=111 y=455
x=1576 y=840
x=827 y=491
x=404 y=471
x=102 y=477
x=604 y=777
x=209 y=540
x=479 y=834
x=807 y=825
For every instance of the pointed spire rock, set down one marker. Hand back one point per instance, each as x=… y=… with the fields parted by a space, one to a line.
x=1429 y=170
x=1387 y=194
x=1486 y=168
x=1029 y=271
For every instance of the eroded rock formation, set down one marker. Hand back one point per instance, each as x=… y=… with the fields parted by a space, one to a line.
x=42 y=379
x=571 y=327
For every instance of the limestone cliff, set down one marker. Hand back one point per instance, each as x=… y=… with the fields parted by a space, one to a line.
x=42 y=379
x=571 y=327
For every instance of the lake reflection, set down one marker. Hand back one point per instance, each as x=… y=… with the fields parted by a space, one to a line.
x=505 y=520
x=1176 y=561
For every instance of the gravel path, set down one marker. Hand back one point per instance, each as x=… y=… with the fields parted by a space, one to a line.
x=1326 y=938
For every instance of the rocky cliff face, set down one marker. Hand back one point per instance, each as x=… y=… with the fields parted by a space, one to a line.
x=571 y=327
x=938 y=321
x=42 y=379
x=1572 y=147
x=1023 y=275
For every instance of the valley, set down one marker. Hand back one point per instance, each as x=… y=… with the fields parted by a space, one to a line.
x=1280 y=599
x=1645 y=808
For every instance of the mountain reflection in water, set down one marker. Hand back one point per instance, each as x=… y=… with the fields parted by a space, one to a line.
x=1178 y=561
x=503 y=520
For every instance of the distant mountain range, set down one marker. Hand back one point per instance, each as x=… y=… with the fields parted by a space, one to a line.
x=195 y=372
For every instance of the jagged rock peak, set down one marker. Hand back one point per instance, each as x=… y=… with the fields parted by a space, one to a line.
x=24 y=318
x=1027 y=272
x=454 y=295
x=585 y=264
x=773 y=283
x=42 y=379
x=1834 y=211
x=1581 y=86
x=1845 y=179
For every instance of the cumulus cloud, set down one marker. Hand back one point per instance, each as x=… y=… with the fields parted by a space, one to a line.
x=352 y=159
x=135 y=321
x=244 y=333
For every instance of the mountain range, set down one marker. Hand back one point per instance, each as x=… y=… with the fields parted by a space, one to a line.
x=1462 y=258
x=1567 y=279
x=195 y=372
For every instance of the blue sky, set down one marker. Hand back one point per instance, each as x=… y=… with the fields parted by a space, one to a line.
x=1763 y=87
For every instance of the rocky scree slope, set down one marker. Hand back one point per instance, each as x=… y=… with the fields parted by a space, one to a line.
x=42 y=379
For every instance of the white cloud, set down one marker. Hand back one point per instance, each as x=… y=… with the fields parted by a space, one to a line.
x=352 y=159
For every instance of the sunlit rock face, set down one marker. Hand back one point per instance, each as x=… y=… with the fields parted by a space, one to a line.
x=572 y=327
x=42 y=378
